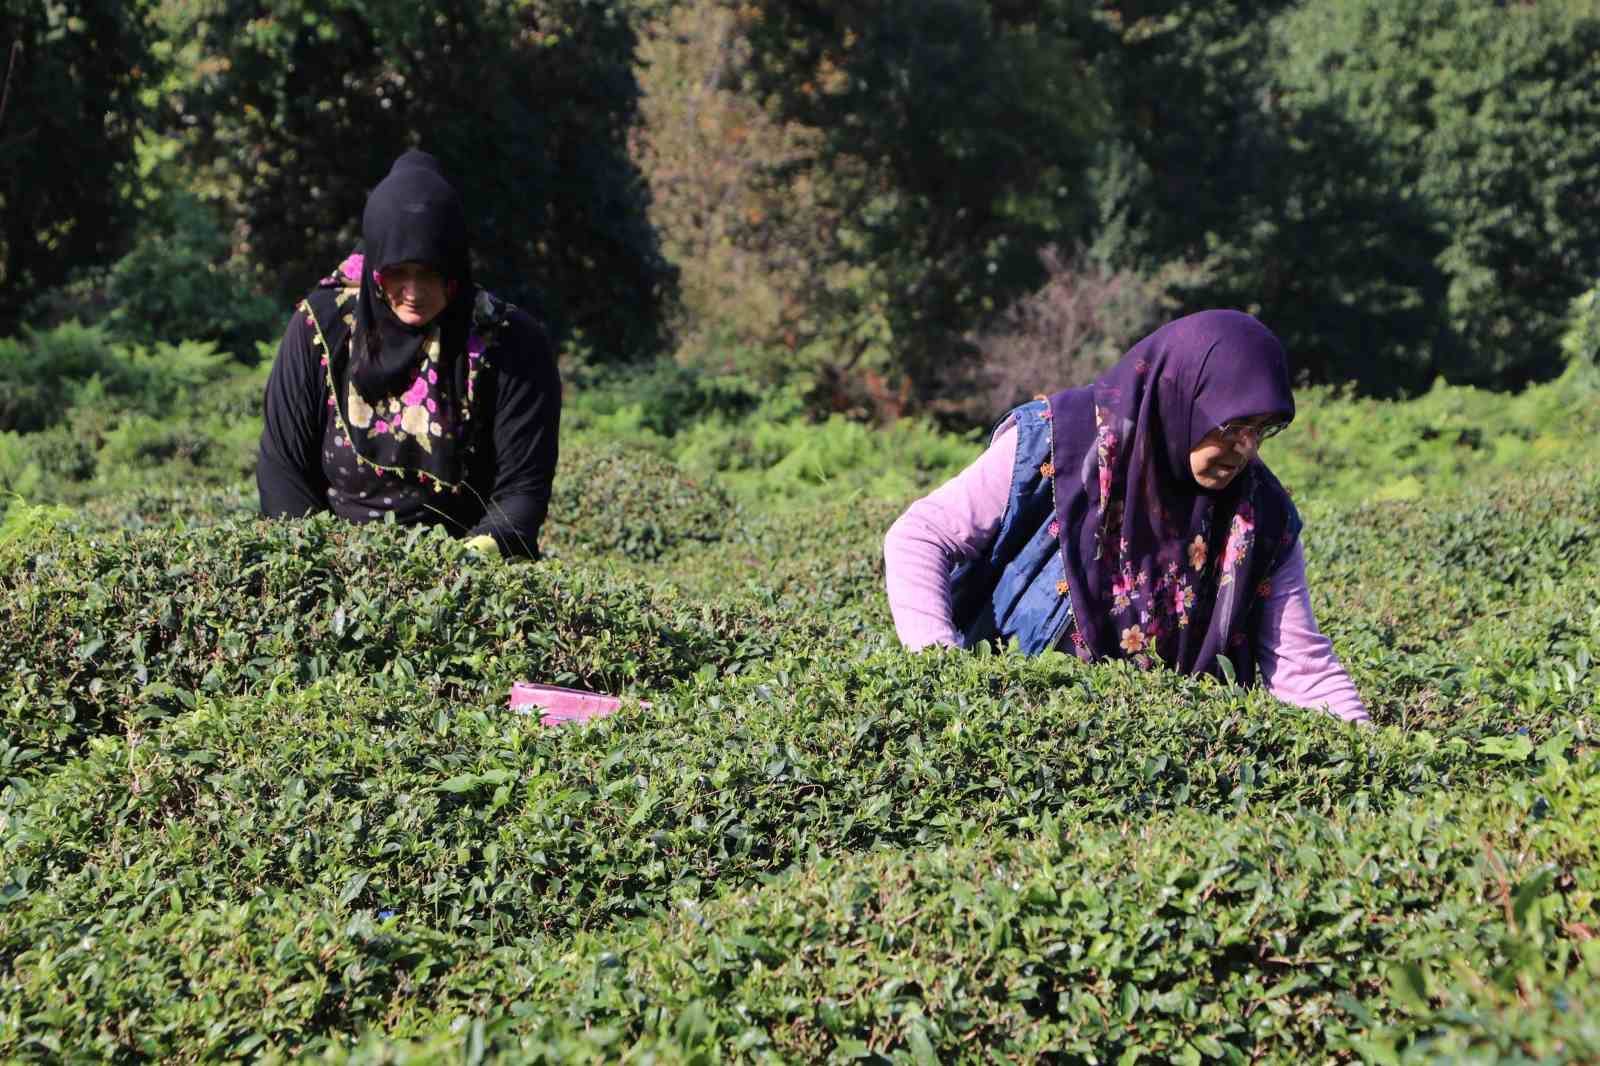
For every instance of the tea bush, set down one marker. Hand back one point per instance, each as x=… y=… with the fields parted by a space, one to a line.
x=106 y=630
x=1190 y=938
x=614 y=499
x=260 y=795
x=682 y=801
x=419 y=840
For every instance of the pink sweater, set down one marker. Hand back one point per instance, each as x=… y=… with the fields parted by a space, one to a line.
x=960 y=519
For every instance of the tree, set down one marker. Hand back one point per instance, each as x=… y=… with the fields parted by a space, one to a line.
x=1283 y=215
x=952 y=137
x=1484 y=114
x=744 y=247
x=1186 y=81
x=67 y=141
x=299 y=106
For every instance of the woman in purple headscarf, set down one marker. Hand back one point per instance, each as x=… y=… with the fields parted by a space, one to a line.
x=402 y=390
x=1132 y=519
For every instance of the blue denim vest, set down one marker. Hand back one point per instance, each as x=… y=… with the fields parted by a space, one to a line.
x=1016 y=589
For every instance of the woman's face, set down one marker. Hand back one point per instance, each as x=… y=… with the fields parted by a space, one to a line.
x=1223 y=452
x=414 y=291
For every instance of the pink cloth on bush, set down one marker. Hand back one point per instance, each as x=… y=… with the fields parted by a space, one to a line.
x=960 y=519
x=558 y=704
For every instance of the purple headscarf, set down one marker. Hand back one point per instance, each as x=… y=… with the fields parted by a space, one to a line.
x=1157 y=566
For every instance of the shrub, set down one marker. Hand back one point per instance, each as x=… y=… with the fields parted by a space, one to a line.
x=821 y=561
x=1064 y=334
x=153 y=502
x=40 y=466
x=788 y=459
x=179 y=277
x=260 y=795
x=1258 y=839
x=45 y=373
x=91 y=624
x=1193 y=938
x=144 y=442
x=147 y=429
x=1581 y=341
x=662 y=399
x=1350 y=449
x=178 y=280
x=611 y=499
x=39 y=370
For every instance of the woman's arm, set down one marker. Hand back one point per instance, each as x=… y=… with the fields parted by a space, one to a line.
x=956 y=521
x=289 y=466
x=1297 y=661
x=524 y=445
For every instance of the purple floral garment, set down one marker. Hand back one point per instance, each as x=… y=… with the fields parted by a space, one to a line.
x=1158 y=567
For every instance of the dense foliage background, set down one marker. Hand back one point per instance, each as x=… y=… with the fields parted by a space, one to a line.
x=898 y=207
x=259 y=792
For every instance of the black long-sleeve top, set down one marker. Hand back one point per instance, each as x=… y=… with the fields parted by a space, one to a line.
x=511 y=467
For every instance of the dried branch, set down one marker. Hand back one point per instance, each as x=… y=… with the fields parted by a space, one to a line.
x=5 y=93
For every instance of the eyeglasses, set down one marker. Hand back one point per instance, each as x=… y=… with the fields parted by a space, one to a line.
x=1232 y=432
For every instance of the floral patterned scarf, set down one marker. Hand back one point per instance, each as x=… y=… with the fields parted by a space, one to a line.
x=1159 y=568
x=422 y=429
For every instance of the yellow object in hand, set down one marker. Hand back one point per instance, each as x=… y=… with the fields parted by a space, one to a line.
x=482 y=544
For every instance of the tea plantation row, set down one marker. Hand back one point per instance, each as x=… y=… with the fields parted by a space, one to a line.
x=261 y=797
x=1272 y=933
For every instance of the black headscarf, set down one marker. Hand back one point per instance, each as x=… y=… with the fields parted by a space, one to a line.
x=403 y=396
x=413 y=216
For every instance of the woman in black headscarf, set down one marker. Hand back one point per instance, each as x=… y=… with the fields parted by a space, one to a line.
x=401 y=388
